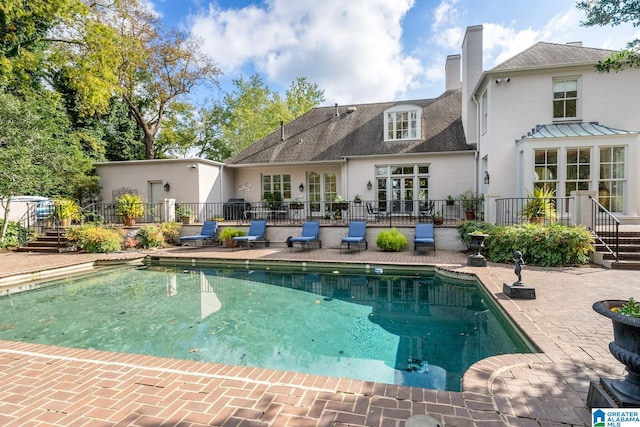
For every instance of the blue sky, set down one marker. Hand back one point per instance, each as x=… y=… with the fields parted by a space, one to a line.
x=371 y=50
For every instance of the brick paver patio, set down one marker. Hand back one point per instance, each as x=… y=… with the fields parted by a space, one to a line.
x=53 y=386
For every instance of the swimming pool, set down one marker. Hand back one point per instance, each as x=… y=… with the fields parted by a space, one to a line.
x=393 y=327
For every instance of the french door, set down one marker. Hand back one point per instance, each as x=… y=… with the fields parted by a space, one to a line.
x=322 y=189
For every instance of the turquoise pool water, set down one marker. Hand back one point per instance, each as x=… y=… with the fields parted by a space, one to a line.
x=418 y=330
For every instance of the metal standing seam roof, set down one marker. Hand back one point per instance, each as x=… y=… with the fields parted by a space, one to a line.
x=572 y=130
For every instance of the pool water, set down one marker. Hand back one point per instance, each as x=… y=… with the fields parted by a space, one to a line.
x=422 y=331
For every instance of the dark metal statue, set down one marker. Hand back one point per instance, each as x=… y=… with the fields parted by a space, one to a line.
x=517 y=258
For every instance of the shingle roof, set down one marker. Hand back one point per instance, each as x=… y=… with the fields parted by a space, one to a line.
x=319 y=135
x=568 y=130
x=543 y=55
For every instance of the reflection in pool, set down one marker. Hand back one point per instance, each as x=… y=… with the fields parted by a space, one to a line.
x=418 y=330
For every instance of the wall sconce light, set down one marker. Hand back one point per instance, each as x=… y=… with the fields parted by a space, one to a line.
x=192 y=166
x=486 y=177
x=301 y=187
x=167 y=187
x=369 y=185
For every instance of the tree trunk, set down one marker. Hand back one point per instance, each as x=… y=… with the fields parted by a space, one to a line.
x=5 y=222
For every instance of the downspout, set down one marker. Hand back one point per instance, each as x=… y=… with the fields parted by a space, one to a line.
x=222 y=183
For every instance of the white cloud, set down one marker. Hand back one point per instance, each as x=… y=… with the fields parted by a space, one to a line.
x=352 y=50
x=444 y=13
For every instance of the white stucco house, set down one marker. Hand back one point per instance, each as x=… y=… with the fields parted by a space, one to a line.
x=543 y=117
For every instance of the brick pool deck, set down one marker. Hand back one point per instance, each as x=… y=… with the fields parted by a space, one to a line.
x=44 y=385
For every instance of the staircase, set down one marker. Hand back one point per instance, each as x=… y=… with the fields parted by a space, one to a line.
x=629 y=250
x=47 y=242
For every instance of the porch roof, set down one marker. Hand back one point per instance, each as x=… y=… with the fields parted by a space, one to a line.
x=573 y=130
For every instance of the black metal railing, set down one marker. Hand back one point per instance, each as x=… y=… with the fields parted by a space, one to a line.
x=518 y=210
x=390 y=213
x=605 y=228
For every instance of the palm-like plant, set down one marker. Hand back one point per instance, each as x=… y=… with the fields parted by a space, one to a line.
x=129 y=207
x=541 y=205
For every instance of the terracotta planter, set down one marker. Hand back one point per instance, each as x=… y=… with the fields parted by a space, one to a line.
x=536 y=220
x=438 y=221
x=470 y=215
x=230 y=243
x=625 y=347
x=128 y=220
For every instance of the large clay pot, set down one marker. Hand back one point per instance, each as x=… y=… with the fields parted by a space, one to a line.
x=128 y=220
x=625 y=347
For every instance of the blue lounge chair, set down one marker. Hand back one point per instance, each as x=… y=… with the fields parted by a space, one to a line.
x=255 y=234
x=357 y=236
x=310 y=232
x=207 y=234
x=424 y=237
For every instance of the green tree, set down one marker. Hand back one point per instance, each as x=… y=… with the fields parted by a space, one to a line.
x=179 y=133
x=614 y=12
x=39 y=155
x=156 y=67
x=251 y=112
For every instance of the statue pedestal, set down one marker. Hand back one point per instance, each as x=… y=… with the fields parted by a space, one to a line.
x=519 y=291
x=477 y=260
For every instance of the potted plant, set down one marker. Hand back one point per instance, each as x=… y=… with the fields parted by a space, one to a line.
x=184 y=213
x=130 y=207
x=625 y=347
x=450 y=200
x=340 y=204
x=438 y=219
x=66 y=211
x=272 y=200
x=296 y=203
x=357 y=199
x=540 y=205
x=227 y=234
x=470 y=203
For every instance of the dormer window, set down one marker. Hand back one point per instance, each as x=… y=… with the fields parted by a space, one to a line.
x=402 y=122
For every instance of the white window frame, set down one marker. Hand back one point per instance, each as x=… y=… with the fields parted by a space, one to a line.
x=484 y=106
x=577 y=98
x=393 y=118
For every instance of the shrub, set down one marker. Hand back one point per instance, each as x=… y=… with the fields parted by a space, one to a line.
x=544 y=245
x=12 y=236
x=150 y=237
x=94 y=239
x=170 y=232
x=391 y=240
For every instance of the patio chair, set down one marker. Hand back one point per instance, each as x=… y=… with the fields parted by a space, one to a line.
x=426 y=211
x=377 y=213
x=207 y=234
x=357 y=236
x=310 y=232
x=255 y=234
x=424 y=237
